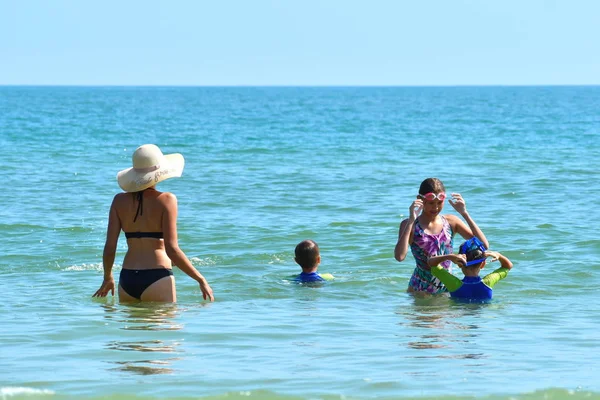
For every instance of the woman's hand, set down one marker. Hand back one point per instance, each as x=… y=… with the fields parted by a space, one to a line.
x=458 y=203
x=206 y=290
x=415 y=209
x=108 y=285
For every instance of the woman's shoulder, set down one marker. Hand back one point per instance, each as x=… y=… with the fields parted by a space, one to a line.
x=166 y=198
x=120 y=197
x=166 y=195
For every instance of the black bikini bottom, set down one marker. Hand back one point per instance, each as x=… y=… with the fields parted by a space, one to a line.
x=135 y=281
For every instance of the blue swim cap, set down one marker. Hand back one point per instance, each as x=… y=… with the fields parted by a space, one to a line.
x=474 y=249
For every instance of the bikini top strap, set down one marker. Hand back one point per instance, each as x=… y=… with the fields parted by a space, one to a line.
x=140 y=207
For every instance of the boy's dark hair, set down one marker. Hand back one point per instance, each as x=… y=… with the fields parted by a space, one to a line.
x=474 y=250
x=430 y=185
x=307 y=253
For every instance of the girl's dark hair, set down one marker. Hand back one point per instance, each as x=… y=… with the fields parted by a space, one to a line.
x=307 y=253
x=431 y=185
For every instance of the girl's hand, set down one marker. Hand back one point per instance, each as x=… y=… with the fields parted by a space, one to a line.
x=458 y=203
x=415 y=209
x=108 y=285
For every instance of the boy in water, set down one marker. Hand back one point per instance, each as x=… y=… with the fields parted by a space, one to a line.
x=471 y=259
x=308 y=257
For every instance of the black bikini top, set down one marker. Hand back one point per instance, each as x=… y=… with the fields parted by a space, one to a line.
x=139 y=235
x=140 y=211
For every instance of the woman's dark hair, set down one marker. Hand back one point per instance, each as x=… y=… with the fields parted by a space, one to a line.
x=307 y=253
x=431 y=185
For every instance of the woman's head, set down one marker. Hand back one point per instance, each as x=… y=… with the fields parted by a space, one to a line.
x=150 y=166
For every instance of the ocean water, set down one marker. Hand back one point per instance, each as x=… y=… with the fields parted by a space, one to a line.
x=265 y=169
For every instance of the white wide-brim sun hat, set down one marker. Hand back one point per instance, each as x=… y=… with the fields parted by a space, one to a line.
x=150 y=166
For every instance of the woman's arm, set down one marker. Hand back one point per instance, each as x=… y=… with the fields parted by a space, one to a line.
x=176 y=255
x=110 y=251
x=467 y=232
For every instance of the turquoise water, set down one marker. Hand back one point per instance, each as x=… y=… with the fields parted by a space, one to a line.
x=265 y=169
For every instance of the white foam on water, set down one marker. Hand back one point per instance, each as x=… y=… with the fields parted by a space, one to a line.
x=88 y=267
x=197 y=261
x=7 y=392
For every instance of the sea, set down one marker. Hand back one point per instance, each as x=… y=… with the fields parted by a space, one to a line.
x=267 y=167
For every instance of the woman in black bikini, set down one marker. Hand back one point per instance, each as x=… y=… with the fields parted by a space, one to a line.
x=149 y=219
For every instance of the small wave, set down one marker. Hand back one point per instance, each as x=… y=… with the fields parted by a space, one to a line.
x=545 y=226
x=278 y=258
x=8 y=227
x=86 y=267
x=74 y=229
x=8 y=392
x=547 y=394
x=203 y=262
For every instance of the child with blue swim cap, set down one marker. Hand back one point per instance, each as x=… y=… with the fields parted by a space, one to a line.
x=307 y=255
x=427 y=233
x=471 y=260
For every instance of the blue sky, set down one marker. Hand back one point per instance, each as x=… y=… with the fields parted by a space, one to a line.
x=299 y=42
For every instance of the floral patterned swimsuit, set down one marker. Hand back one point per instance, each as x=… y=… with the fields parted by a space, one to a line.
x=424 y=246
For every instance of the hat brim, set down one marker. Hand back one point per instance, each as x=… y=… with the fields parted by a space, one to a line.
x=132 y=180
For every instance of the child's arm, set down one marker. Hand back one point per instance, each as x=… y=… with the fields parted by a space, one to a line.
x=452 y=283
x=458 y=259
x=504 y=262
x=406 y=228
x=458 y=203
x=406 y=231
x=505 y=265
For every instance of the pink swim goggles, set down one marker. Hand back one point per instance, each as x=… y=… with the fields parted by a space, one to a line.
x=432 y=196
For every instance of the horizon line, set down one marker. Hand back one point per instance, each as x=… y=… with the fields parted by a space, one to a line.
x=299 y=86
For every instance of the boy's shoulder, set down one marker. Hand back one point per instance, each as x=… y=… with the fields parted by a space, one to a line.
x=313 y=277
x=326 y=276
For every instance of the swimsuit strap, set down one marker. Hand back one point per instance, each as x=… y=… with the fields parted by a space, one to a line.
x=446 y=227
x=140 y=207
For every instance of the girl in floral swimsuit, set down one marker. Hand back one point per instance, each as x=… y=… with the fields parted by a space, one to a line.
x=428 y=233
